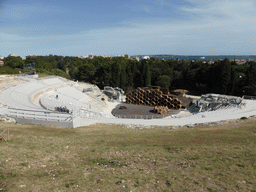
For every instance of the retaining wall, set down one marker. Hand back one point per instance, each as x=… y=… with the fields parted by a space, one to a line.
x=43 y=122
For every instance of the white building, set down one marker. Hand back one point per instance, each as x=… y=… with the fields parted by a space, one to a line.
x=82 y=57
x=146 y=57
x=30 y=56
x=12 y=55
x=90 y=56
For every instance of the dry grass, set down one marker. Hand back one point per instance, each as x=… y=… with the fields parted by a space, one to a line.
x=113 y=158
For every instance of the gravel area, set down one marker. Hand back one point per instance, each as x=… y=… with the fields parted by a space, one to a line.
x=248 y=110
x=132 y=111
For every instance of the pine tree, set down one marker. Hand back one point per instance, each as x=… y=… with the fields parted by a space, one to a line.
x=225 y=75
x=115 y=74
x=123 y=78
x=164 y=81
x=147 y=76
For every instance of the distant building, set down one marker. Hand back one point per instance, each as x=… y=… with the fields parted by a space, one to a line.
x=1 y=63
x=237 y=61
x=30 y=56
x=82 y=57
x=90 y=56
x=146 y=57
x=1 y=58
x=12 y=55
x=137 y=58
x=104 y=56
x=241 y=61
x=108 y=57
x=210 y=62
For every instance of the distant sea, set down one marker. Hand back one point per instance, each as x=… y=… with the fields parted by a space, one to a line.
x=200 y=57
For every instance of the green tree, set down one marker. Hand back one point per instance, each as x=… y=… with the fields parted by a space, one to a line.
x=61 y=73
x=86 y=72
x=103 y=73
x=13 y=62
x=42 y=63
x=225 y=75
x=250 y=89
x=155 y=74
x=115 y=74
x=164 y=81
x=219 y=77
x=61 y=65
x=234 y=81
x=250 y=74
x=147 y=75
x=73 y=72
x=123 y=79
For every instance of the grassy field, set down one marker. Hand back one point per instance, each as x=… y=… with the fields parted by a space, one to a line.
x=216 y=157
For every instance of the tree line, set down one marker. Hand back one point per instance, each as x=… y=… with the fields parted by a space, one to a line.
x=223 y=77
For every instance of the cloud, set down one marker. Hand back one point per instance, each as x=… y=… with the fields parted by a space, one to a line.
x=13 y=12
x=233 y=10
x=215 y=27
x=155 y=38
x=27 y=11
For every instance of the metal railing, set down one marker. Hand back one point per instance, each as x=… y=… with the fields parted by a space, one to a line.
x=39 y=115
x=83 y=113
x=144 y=116
x=249 y=97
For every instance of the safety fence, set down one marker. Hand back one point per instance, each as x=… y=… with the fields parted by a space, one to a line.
x=249 y=97
x=39 y=115
x=144 y=116
x=83 y=113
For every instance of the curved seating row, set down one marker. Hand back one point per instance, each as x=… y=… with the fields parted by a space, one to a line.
x=71 y=98
x=20 y=96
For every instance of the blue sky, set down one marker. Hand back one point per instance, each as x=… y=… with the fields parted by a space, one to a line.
x=134 y=27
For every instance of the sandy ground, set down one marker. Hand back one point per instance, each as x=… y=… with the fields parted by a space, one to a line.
x=108 y=109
